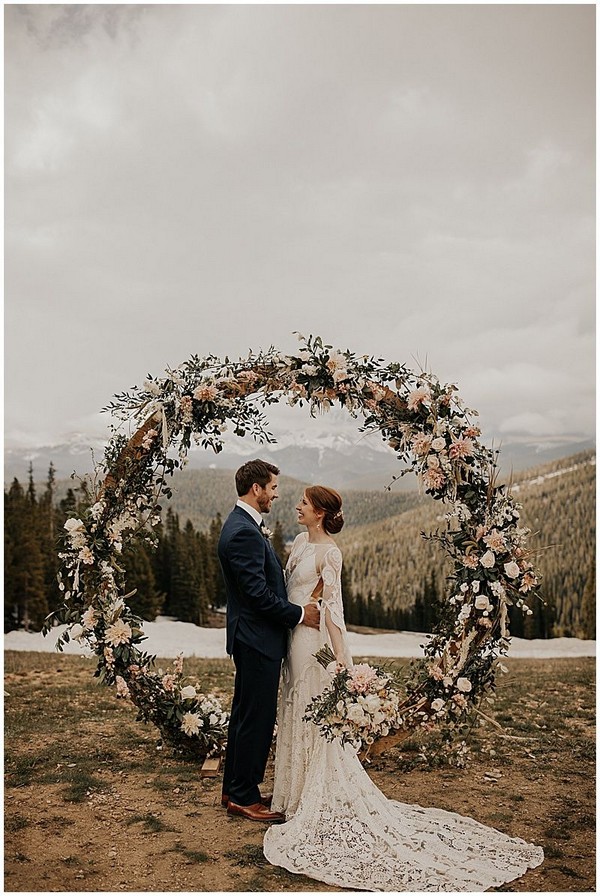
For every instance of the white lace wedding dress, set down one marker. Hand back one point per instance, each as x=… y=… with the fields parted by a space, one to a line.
x=340 y=828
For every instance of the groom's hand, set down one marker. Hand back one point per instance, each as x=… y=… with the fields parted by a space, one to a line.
x=312 y=615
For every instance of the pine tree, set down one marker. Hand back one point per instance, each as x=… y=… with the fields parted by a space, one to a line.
x=196 y=606
x=50 y=521
x=588 y=604
x=25 y=593
x=347 y=596
x=216 y=583
x=147 y=602
x=179 y=573
x=278 y=542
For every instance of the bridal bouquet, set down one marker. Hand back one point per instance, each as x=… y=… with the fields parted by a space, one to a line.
x=359 y=706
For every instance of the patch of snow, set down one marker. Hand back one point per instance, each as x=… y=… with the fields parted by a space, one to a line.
x=539 y=479
x=167 y=638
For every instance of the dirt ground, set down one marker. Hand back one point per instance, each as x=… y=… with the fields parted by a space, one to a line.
x=91 y=803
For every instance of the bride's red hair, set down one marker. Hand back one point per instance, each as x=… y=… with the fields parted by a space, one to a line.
x=330 y=502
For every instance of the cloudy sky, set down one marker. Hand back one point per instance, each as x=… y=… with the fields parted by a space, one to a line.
x=414 y=182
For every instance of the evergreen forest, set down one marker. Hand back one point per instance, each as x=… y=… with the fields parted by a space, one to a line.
x=393 y=577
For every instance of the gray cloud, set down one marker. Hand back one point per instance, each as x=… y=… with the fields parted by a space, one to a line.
x=409 y=181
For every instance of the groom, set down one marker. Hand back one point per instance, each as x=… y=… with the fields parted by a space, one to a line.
x=259 y=617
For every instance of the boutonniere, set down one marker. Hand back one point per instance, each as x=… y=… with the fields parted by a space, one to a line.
x=266 y=532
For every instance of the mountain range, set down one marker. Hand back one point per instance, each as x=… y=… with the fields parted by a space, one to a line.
x=334 y=455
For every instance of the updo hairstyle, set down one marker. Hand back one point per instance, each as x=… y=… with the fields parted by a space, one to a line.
x=330 y=502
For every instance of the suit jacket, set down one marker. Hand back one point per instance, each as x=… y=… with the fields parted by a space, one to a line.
x=258 y=611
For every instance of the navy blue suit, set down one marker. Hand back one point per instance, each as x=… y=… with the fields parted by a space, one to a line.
x=259 y=617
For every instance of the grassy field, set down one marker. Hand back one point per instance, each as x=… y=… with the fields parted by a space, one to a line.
x=92 y=803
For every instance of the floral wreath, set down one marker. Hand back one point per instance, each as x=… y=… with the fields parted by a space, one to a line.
x=424 y=422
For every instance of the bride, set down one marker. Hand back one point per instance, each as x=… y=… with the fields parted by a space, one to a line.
x=340 y=829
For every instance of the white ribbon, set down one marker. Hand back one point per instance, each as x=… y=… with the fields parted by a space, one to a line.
x=157 y=410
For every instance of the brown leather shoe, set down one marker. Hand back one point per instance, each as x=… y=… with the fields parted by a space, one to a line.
x=255 y=812
x=265 y=800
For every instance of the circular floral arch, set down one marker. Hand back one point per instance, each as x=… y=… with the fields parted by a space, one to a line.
x=426 y=425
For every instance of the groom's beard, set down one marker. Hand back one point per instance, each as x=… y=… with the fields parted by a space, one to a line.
x=265 y=504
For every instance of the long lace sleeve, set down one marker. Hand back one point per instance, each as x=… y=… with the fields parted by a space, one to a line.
x=332 y=617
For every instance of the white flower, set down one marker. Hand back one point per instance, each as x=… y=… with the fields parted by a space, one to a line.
x=86 y=556
x=488 y=560
x=447 y=681
x=482 y=602
x=497 y=589
x=97 y=509
x=372 y=703
x=152 y=388
x=118 y=633
x=188 y=693
x=191 y=723
x=213 y=719
x=76 y=532
x=475 y=587
x=438 y=444
x=464 y=587
x=356 y=713
x=511 y=569
x=464 y=685
x=437 y=704
x=76 y=631
x=89 y=618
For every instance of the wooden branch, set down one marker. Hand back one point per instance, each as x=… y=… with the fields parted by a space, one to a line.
x=133 y=450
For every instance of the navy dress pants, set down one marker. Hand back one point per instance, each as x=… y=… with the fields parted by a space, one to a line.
x=253 y=715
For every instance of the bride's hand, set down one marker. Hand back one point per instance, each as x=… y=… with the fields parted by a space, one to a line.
x=335 y=666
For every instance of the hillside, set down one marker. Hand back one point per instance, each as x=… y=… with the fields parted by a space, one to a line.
x=199 y=495
x=394 y=577
x=391 y=562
